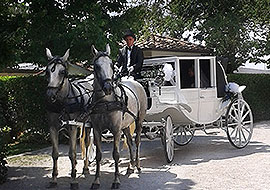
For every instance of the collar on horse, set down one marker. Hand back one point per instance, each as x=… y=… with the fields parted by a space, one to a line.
x=120 y=104
x=60 y=107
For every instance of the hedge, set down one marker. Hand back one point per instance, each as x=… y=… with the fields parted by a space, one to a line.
x=22 y=104
x=22 y=108
x=256 y=94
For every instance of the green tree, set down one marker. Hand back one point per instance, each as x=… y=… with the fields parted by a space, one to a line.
x=28 y=27
x=12 y=18
x=236 y=29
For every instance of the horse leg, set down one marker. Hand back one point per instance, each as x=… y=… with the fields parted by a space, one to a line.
x=97 y=139
x=87 y=144
x=72 y=155
x=116 y=156
x=138 y=143
x=55 y=154
x=130 y=145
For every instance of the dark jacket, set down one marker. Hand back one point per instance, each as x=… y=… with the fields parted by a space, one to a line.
x=136 y=60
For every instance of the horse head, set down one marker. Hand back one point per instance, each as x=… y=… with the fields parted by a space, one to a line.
x=56 y=73
x=103 y=69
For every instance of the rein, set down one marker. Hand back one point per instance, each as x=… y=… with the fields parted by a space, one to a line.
x=57 y=60
x=60 y=106
x=120 y=104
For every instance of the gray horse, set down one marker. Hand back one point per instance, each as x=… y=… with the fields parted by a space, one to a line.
x=66 y=101
x=114 y=107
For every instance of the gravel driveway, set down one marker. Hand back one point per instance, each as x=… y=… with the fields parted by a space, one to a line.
x=208 y=162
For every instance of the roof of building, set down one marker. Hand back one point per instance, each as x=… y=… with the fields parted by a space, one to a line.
x=244 y=70
x=165 y=43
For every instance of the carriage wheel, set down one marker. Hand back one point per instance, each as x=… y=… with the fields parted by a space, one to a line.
x=151 y=132
x=239 y=123
x=92 y=147
x=168 y=139
x=183 y=135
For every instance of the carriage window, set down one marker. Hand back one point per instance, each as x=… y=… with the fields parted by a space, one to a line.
x=205 y=77
x=187 y=73
x=169 y=74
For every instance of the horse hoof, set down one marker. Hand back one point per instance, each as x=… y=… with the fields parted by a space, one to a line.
x=52 y=184
x=130 y=171
x=86 y=171
x=115 y=186
x=95 y=186
x=139 y=170
x=74 y=186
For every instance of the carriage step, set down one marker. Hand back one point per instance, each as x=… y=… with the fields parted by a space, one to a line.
x=211 y=133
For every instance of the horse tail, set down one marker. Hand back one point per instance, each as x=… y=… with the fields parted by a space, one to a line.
x=131 y=130
x=82 y=140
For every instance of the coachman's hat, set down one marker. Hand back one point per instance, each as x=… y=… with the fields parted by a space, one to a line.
x=129 y=33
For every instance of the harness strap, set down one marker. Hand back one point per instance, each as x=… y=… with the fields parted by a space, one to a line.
x=136 y=97
x=81 y=97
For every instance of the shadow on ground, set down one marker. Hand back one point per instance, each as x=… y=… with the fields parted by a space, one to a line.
x=155 y=174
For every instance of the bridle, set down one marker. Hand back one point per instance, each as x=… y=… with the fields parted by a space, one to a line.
x=56 y=61
x=98 y=106
x=102 y=82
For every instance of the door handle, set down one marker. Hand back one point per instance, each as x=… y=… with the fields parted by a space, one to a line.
x=202 y=97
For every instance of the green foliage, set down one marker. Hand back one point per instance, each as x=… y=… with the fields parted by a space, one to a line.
x=28 y=27
x=235 y=29
x=3 y=168
x=257 y=93
x=24 y=113
x=4 y=139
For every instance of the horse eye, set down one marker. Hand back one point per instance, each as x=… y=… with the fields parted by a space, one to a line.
x=63 y=72
x=96 y=67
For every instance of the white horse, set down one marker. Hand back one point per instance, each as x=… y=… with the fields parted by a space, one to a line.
x=114 y=107
x=66 y=102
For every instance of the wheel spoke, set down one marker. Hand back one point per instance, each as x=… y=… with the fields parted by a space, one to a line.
x=185 y=135
x=243 y=118
x=242 y=109
x=246 y=130
x=233 y=131
x=235 y=119
x=235 y=112
x=235 y=137
x=243 y=135
x=247 y=122
x=240 y=142
x=232 y=124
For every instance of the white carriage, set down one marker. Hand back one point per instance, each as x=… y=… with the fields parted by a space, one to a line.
x=186 y=94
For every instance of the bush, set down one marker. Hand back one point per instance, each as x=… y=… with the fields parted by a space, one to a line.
x=23 y=108
x=3 y=168
x=256 y=94
x=4 y=139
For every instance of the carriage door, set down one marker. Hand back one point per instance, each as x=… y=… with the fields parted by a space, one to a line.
x=207 y=94
x=189 y=86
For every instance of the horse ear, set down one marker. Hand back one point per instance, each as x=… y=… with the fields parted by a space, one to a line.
x=94 y=50
x=65 y=57
x=108 y=49
x=49 y=54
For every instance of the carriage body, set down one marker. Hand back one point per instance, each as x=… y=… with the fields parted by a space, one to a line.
x=187 y=94
x=198 y=103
